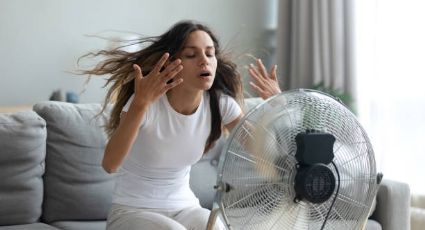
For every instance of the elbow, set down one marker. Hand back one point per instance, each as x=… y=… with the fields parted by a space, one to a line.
x=109 y=168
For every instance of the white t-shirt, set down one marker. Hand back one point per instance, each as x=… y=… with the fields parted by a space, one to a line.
x=155 y=174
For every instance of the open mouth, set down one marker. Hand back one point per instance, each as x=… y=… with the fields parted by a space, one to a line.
x=205 y=74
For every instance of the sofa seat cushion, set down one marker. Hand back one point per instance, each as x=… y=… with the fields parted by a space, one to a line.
x=78 y=225
x=76 y=186
x=22 y=154
x=36 y=226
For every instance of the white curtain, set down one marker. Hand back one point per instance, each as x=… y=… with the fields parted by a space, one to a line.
x=390 y=39
x=372 y=49
x=315 y=44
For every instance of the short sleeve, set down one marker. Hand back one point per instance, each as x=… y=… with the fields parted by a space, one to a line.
x=229 y=108
x=127 y=105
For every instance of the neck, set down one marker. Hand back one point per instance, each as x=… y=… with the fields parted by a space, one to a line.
x=184 y=102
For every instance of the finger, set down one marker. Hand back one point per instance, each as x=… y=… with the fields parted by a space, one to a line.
x=261 y=68
x=173 y=64
x=254 y=73
x=256 y=88
x=273 y=73
x=160 y=63
x=137 y=72
x=137 y=69
x=137 y=76
x=256 y=76
x=173 y=73
x=171 y=68
x=173 y=84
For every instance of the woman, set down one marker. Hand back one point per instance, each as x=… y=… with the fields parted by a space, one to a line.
x=171 y=101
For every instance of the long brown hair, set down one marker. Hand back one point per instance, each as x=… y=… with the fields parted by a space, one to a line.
x=118 y=65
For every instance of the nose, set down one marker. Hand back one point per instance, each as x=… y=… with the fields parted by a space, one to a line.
x=204 y=60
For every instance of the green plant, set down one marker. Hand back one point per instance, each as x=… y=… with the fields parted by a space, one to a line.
x=345 y=97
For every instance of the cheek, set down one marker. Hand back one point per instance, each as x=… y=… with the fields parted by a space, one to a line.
x=214 y=64
x=186 y=72
x=215 y=71
x=187 y=66
x=186 y=69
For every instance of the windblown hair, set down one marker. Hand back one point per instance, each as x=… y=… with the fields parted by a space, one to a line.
x=118 y=65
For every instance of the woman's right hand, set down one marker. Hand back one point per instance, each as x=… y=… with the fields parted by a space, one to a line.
x=149 y=88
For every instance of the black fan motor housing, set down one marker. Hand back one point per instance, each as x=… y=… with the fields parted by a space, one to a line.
x=314 y=180
x=314 y=147
x=314 y=183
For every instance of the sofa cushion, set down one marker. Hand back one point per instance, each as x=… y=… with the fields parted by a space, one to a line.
x=36 y=226
x=22 y=154
x=373 y=225
x=393 y=205
x=78 y=225
x=76 y=186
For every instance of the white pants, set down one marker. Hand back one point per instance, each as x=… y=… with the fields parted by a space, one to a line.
x=122 y=217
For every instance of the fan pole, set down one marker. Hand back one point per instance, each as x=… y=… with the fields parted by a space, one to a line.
x=212 y=218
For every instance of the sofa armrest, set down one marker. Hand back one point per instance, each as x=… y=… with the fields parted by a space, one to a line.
x=393 y=205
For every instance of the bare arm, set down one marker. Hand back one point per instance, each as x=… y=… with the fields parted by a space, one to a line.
x=123 y=138
x=233 y=124
x=146 y=90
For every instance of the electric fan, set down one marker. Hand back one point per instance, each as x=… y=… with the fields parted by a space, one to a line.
x=299 y=160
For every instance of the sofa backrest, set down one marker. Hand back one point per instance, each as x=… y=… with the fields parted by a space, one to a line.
x=62 y=144
x=22 y=154
x=76 y=186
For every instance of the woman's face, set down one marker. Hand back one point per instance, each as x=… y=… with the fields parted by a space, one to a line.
x=199 y=62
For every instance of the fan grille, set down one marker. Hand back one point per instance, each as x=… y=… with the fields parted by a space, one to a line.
x=259 y=165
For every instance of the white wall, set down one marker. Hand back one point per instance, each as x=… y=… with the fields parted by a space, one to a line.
x=41 y=40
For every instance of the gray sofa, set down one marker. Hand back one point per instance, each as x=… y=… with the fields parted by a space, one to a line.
x=52 y=179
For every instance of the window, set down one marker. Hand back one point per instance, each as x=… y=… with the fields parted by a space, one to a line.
x=390 y=70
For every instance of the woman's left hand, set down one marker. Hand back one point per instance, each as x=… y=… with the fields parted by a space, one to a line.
x=265 y=84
